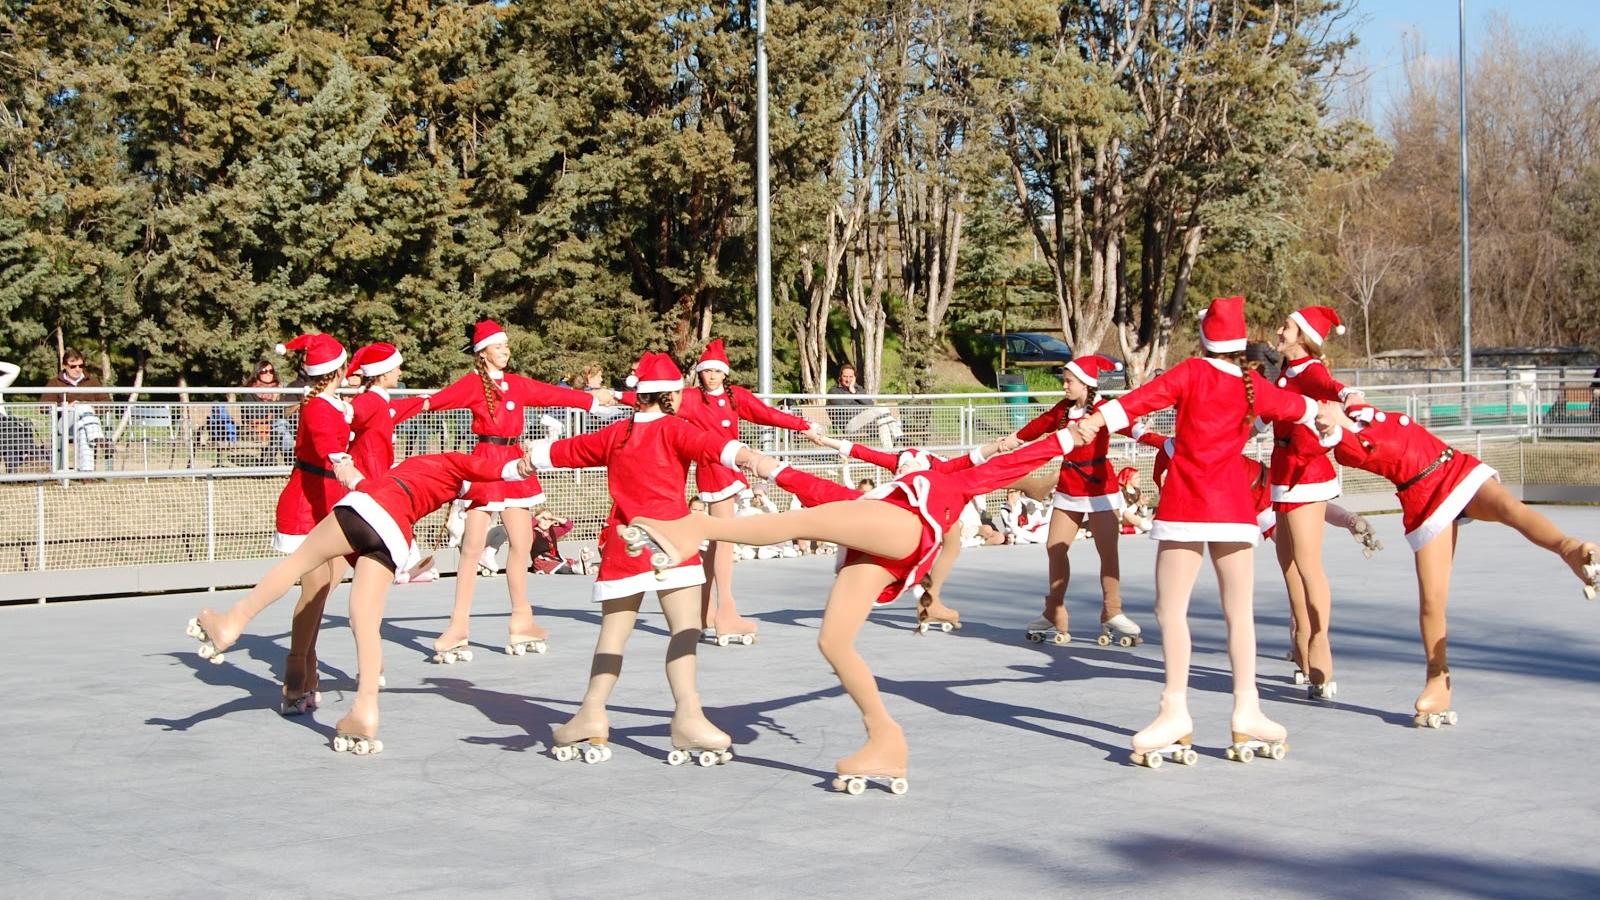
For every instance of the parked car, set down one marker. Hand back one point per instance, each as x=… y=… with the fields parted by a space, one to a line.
x=1034 y=348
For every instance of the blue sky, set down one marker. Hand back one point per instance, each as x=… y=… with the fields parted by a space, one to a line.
x=1383 y=24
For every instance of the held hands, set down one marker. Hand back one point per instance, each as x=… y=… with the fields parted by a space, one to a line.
x=344 y=469
x=1330 y=418
x=1007 y=444
x=604 y=396
x=1088 y=426
x=525 y=465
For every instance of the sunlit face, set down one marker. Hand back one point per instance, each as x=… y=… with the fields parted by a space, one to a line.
x=596 y=381
x=498 y=355
x=1290 y=341
x=847 y=377
x=1077 y=391
x=390 y=379
x=713 y=379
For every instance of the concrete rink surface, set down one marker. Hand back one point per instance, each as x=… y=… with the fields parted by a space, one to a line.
x=133 y=768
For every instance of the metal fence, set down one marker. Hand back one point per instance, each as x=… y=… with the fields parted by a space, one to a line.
x=173 y=483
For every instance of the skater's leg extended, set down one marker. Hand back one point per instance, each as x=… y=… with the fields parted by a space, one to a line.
x=519 y=535
x=326 y=541
x=474 y=537
x=1299 y=616
x=1107 y=529
x=1493 y=503
x=1434 y=562
x=1235 y=567
x=368 y=592
x=1177 y=565
x=616 y=624
x=873 y=527
x=854 y=591
x=723 y=613
x=1304 y=524
x=690 y=727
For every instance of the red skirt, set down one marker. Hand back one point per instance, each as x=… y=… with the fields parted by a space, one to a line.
x=717 y=482
x=623 y=575
x=497 y=495
x=909 y=570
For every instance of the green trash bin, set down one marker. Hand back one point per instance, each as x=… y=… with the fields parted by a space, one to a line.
x=1015 y=387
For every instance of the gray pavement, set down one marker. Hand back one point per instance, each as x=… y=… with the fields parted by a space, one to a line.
x=132 y=768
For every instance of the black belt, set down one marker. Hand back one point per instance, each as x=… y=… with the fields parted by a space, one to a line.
x=407 y=488
x=314 y=469
x=1282 y=442
x=1083 y=467
x=1446 y=456
x=497 y=441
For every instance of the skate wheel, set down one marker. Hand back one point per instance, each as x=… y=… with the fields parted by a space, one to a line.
x=855 y=787
x=206 y=650
x=193 y=628
x=1300 y=677
x=1062 y=638
x=709 y=758
x=216 y=659
x=722 y=640
x=1151 y=760
x=1188 y=757
x=540 y=647
x=1127 y=641
x=899 y=786
x=377 y=746
x=605 y=753
x=747 y=639
x=727 y=757
x=1244 y=754
x=339 y=744
x=1232 y=753
x=1278 y=751
x=1450 y=717
x=946 y=627
x=562 y=753
x=677 y=758
x=1035 y=637
x=1104 y=640
x=593 y=754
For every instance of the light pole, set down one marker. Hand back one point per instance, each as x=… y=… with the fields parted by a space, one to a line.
x=1466 y=256
x=763 y=211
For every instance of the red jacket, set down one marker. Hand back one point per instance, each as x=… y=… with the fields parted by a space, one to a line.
x=322 y=435
x=1086 y=471
x=1301 y=472
x=395 y=501
x=373 y=422
x=720 y=414
x=1432 y=490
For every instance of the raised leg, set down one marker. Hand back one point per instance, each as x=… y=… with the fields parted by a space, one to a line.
x=873 y=527
x=474 y=537
x=326 y=541
x=519 y=536
x=854 y=591
x=1493 y=503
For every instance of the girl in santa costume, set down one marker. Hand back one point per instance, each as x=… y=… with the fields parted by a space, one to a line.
x=322 y=440
x=376 y=369
x=498 y=400
x=647 y=461
x=719 y=406
x=1087 y=494
x=1303 y=481
x=893 y=535
x=1206 y=502
x=931 y=611
x=371 y=527
x=1439 y=486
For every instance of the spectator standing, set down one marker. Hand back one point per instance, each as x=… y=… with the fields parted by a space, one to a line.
x=77 y=418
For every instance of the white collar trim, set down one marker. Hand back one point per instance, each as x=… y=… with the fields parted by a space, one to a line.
x=1222 y=365
x=1294 y=371
x=716 y=393
x=648 y=416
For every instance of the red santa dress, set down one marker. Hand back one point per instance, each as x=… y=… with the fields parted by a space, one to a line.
x=720 y=412
x=1301 y=472
x=321 y=439
x=1088 y=481
x=374 y=417
x=396 y=500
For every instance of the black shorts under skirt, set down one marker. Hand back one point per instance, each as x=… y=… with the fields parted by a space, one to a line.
x=363 y=538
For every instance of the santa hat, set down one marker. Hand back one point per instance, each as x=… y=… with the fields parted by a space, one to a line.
x=1317 y=322
x=1125 y=475
x=323 y=353
x=1222 y=328
x=375 y=359
x=655 y=373
x=913 y=460
x=1087 y=369
x=485 y=333
x=715 y=358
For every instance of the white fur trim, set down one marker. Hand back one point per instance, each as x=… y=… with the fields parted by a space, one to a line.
x=1102 y=503
x=1310 y=417
x=676 y=577
x=388 y=364
x=384 y=524
x=1116 y=417
x=976 y=455
x=1138 y=430
x=643 y=417
x=1453 y=504
x=658 y=387
x=1078 y=373
x=509 y=472
x=1237 y=345
x=731 y=490
x=499 y=337
x=715 y=365
x=1310 y=492
x=1295 y=371
x=1333 y=439
x=1222 y=365
x=844 y=449
x=515 y=503
x=325 y=368
x=1266 y=520
x=1305 y=328
x=1206 y=532
x=541 y=455
x=287 y=543
x=730 y=454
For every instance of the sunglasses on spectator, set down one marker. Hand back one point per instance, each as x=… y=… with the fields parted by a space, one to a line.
x=76 y=365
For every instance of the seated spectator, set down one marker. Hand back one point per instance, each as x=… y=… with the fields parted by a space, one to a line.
x=548 y=528
x=77 y=419
x=851 y=412
x=592 y=378
x=1023 y=520
x=1136 y=516
x=975 y=532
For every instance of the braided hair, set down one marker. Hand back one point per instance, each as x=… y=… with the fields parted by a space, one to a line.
x=491 y=393
x=662 y=399
x=318 y=386
x=727 y=388
x=1245 y=371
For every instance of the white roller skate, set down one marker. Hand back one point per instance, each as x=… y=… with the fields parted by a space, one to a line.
x=1591 y=574
x=1121 y=630
x=1324 y=691
x=457 y=652
x=488 y=565
x=638 y=540
x=523 y=644
x=1435 y=719
x=710 y=635
x=700 y=741
x=856 y=785
x=1181 y=752
x=581 y=740
x=585 y=561
x=1246 y=748
x=1365 y=535
x=937 y=625
x=359 y=744
x=207 y=650
x=1041 y=628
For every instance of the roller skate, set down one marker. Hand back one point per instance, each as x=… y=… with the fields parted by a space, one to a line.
x=1324 y=691
x=488 y=565
x=523 y=644
x=1586 y=567
x=882 y=760
x=349 y=737
x=1055 y=630
x=300 y=694
x=639 y=539
x=1260 y=737
x=1433 y=706
x=1121 y=630
x=582 y=738
x=585 y=560
x=1363 y=532
x=452 y=652
x=1169 y=737
x=712 y=636
x=207 y=629
x=937 y=616
x=695 y=738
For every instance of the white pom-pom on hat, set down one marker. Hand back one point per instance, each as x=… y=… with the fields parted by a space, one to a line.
x=1117 y=368
x=1339 y=330
x=280 y=349
x=632 y=381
